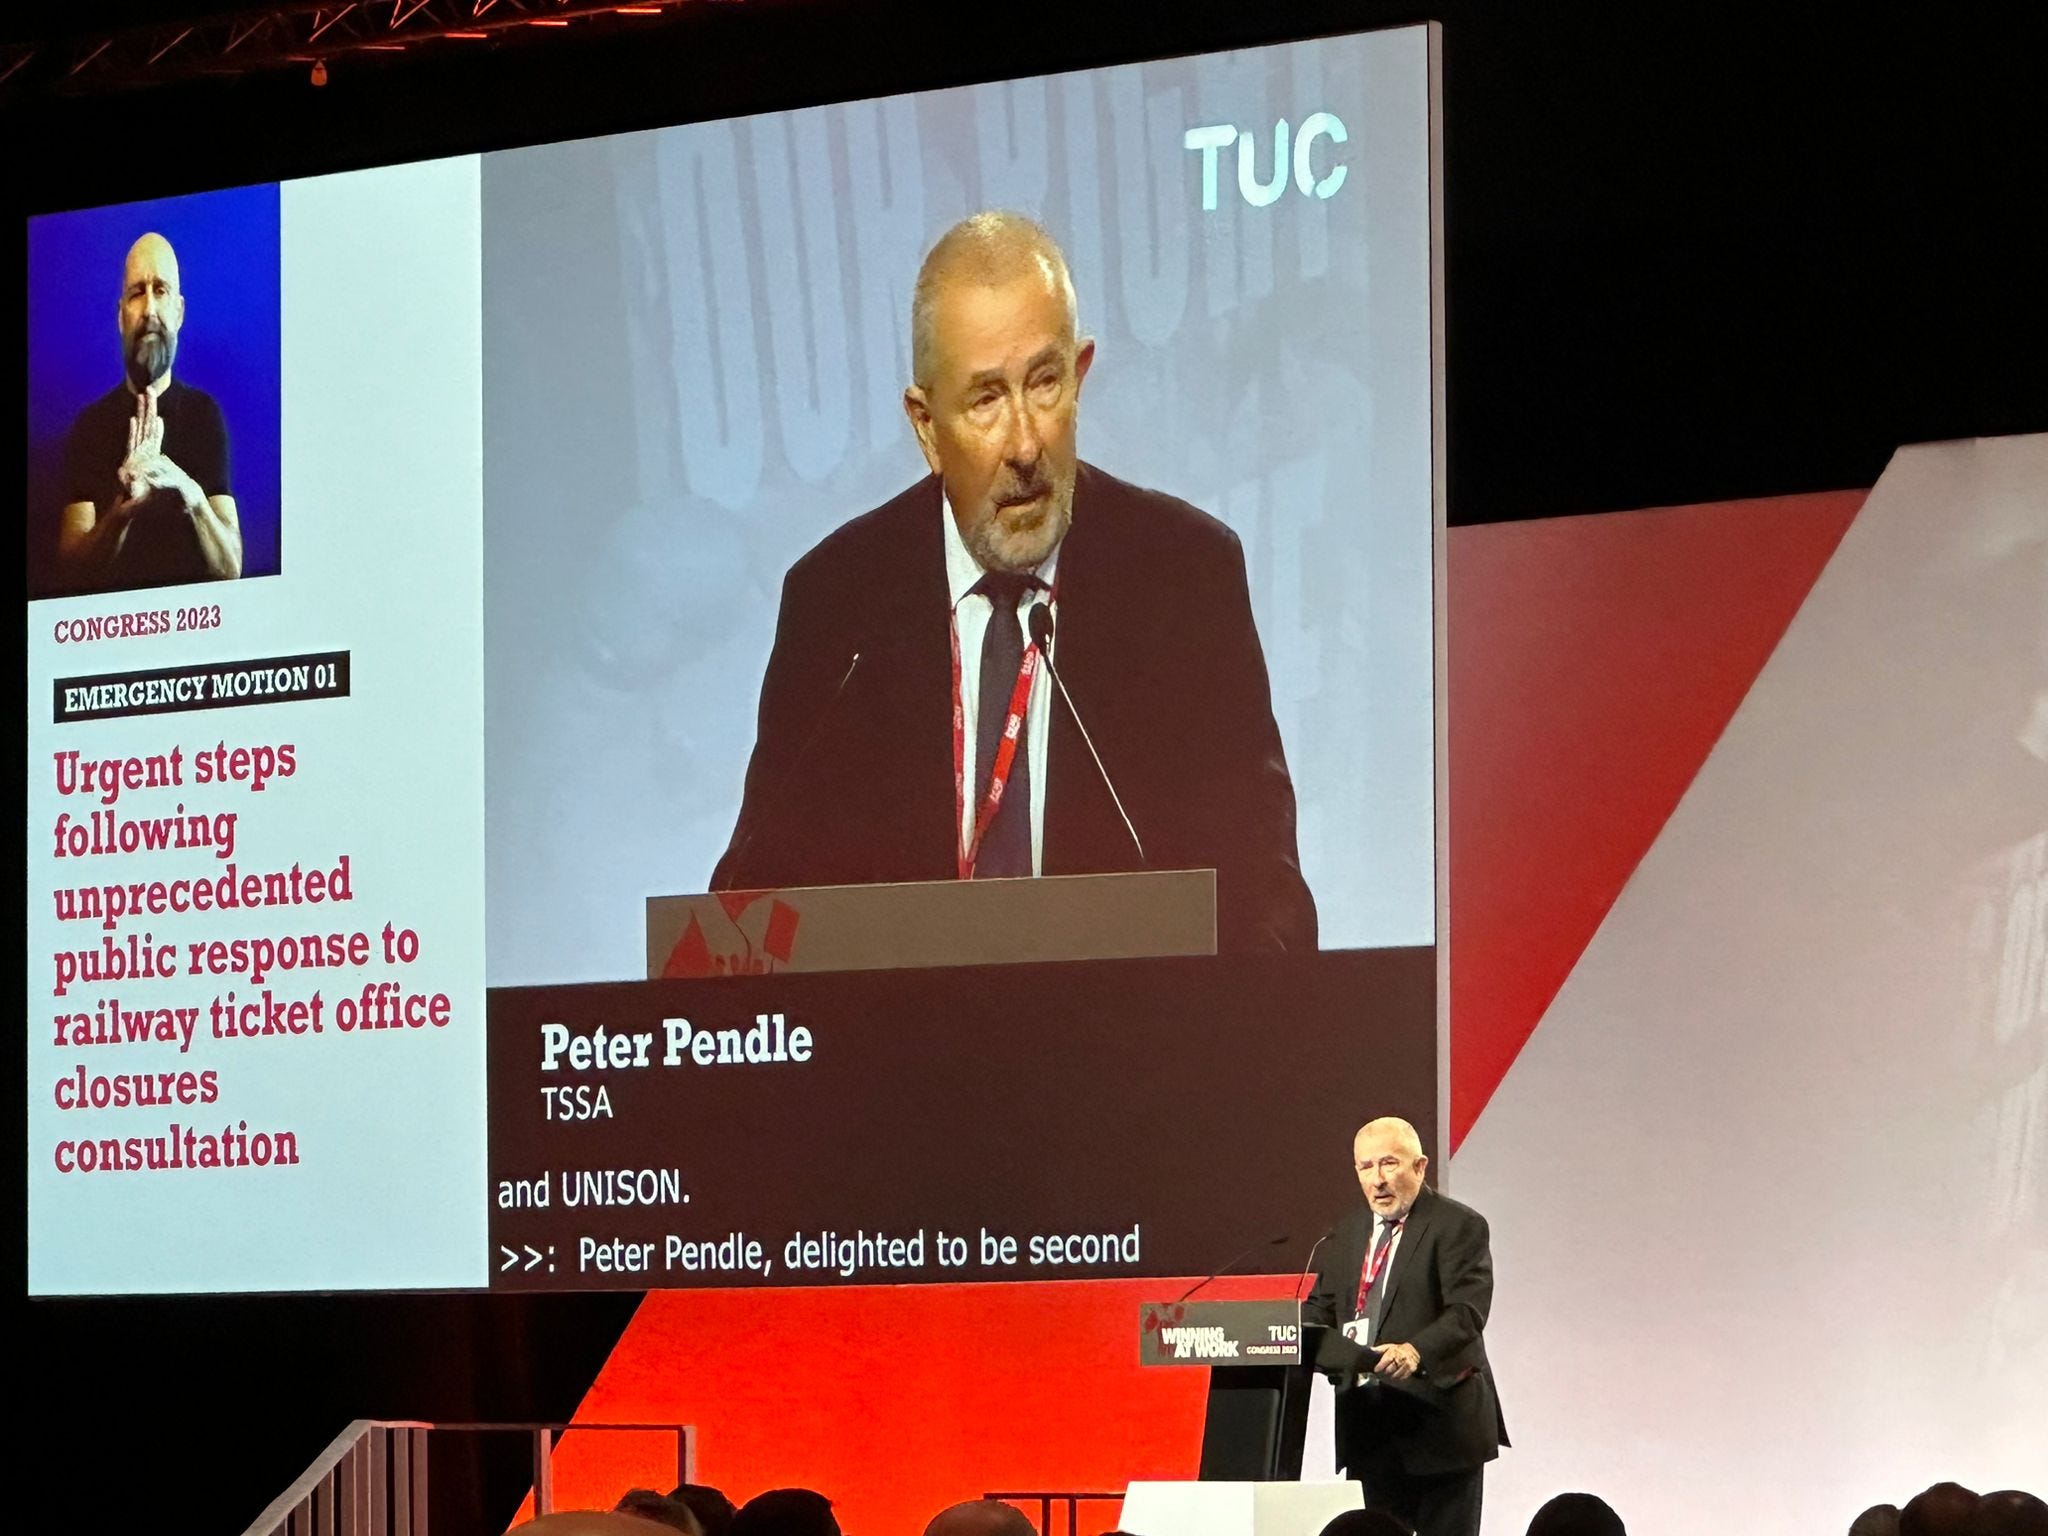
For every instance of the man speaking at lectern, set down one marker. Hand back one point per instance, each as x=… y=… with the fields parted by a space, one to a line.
x=1410 y=1275
x=909 y=727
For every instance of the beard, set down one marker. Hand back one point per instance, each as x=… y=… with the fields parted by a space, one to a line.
x=1000 y=543
x=151 y=350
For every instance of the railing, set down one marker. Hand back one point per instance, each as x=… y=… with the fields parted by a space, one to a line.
x=1045 y=1501
x=370 y=1481
x=372 y=1478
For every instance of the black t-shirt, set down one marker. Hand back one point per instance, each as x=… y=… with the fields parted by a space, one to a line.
x=161 y=549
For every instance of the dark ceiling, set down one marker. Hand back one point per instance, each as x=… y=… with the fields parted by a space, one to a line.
x=1693 y=253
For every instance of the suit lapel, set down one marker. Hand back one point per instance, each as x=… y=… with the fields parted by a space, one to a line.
x=1352 y=1259
x=929 y=671
x=909 y=710
x=1413 y=1233
x=1083 y=833
x=928 y=616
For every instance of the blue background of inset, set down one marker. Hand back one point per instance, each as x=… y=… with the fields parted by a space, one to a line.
x=228 y=263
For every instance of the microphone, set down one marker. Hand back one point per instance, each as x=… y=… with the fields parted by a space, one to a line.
x=1311 y=1264
x=774 y=798
x=1264 y=1242
x=1333 y=1351
x=1040 y=621
x=1041 y=630
x=1301 y=1328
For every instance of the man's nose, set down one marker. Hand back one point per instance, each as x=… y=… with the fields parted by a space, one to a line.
x=1027 y=439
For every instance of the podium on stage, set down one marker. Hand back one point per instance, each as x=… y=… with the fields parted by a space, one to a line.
x=1257 y=1413
x=1261 y=1362
x=932 y=923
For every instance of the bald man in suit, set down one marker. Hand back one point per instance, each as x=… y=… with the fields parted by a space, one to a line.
x=1404 y=1287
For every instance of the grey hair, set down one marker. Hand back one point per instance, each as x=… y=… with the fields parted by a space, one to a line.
x=988 y=248
x=1402 y=1132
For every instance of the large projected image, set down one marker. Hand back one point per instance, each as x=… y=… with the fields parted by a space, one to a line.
x=698 y=343
x=810 y=438
x=895 y=638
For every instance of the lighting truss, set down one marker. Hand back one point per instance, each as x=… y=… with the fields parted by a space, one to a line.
x=289 y=35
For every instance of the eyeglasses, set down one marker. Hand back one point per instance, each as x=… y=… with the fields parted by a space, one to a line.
x=1386 y=1165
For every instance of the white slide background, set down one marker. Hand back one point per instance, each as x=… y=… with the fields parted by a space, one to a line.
x=382 y=538
x=1769 y=1183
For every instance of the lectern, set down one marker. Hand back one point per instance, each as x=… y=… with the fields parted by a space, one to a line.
x=1257 y=1413
x=1252 y=1432
x=935 y=922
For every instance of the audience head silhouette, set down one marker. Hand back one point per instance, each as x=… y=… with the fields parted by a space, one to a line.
x=980 y=1517
x=1577 y=1514
x=2009 y=1512
x=1878 y=1520
x=714 y=1511
x=1946 y=1509
x=1367 y=1522
x=786 y=1512
x=649 y=1505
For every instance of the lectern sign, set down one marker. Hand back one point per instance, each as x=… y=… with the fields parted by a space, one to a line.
x=1219 y=1333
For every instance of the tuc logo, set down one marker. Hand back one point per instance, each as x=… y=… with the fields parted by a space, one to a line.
x=1216 y=137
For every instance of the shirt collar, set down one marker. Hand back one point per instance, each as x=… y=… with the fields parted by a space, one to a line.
x=963 y=570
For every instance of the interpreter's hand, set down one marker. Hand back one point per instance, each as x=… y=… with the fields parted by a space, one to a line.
x=160 y=473
x=145 y=442
x=148 y=468
x=1398 y=1361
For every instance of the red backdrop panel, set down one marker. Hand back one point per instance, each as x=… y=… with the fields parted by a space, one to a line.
x=1593 y=664
x=897 y=1400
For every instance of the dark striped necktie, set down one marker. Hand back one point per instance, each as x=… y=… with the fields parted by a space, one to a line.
x=1006 y=845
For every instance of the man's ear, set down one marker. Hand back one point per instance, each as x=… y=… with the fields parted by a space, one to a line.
x=1084 y=359
x=919 y=410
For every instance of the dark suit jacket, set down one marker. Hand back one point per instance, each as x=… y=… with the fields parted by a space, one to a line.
x=854 y=784
x=1439 y=1290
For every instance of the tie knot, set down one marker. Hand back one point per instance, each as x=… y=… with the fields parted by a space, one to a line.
x=1004 y=589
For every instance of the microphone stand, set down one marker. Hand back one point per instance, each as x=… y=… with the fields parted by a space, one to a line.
x=1041 y=636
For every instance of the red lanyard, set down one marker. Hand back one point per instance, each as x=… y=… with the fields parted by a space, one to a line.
x=1006 y=748
x=1372 y=1274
